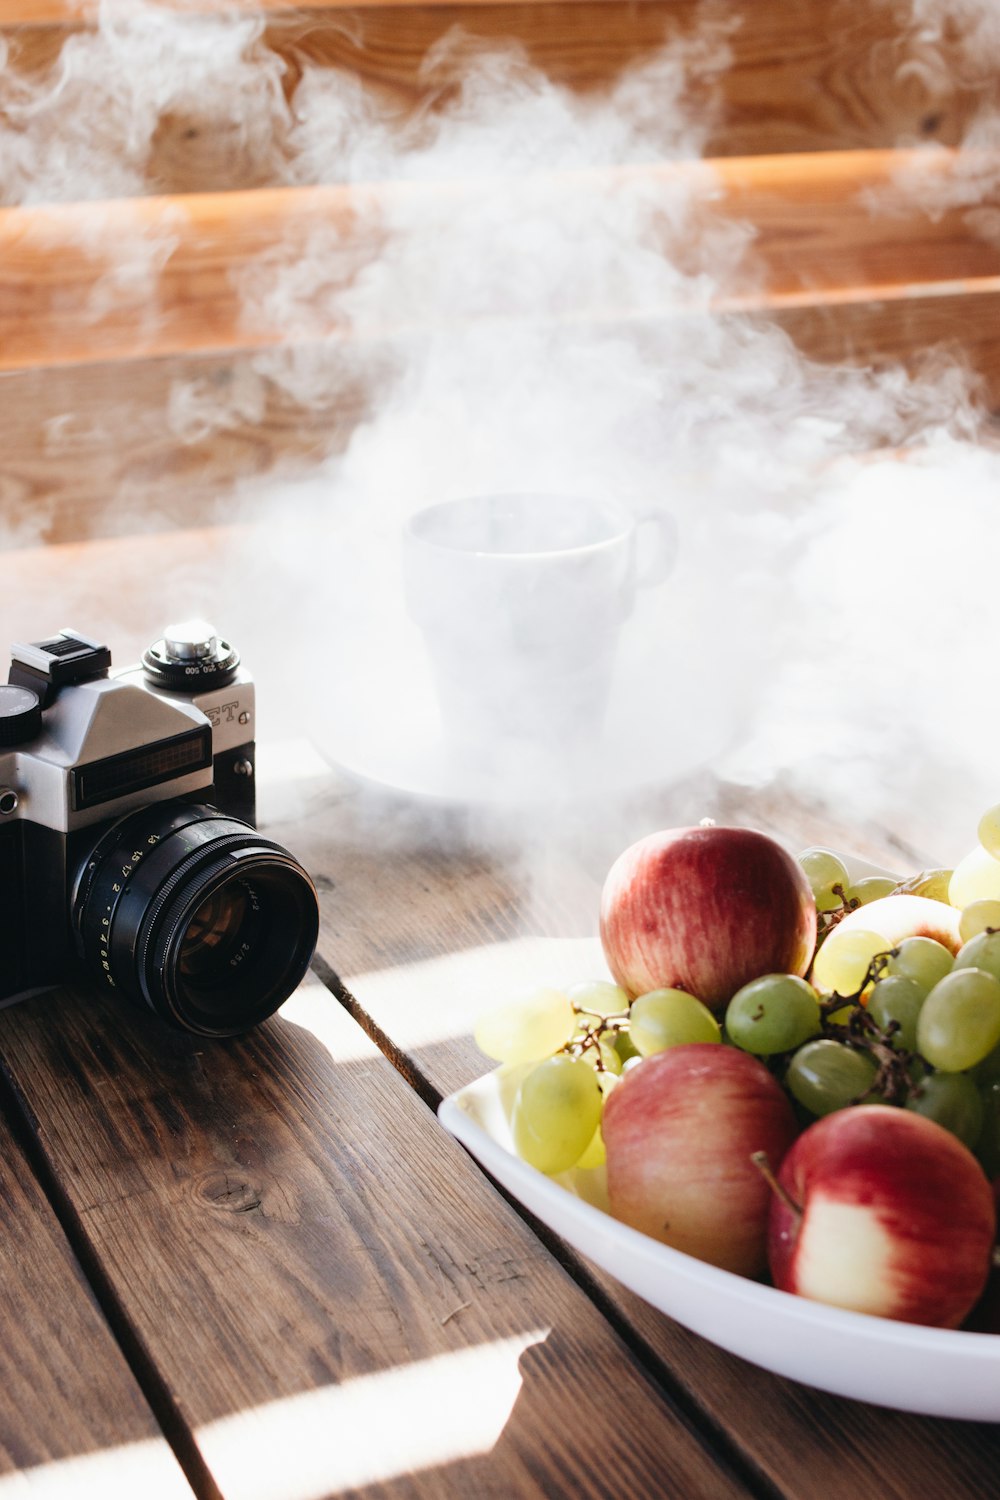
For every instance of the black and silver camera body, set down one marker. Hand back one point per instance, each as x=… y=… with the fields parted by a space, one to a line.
x=127 y=838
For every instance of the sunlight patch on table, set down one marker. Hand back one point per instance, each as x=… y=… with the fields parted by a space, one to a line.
x=291 y=777
x=146 y=1468
x=370 y=1429
x=435 y=999
x=314 y=1008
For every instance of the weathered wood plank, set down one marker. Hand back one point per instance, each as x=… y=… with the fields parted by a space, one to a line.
x=105 y=450
x=457 y=928
x=765 y=76
x=203 y=273
x=932 y=329
x=330 y=1291
x=72 y=1418
x=132 y=446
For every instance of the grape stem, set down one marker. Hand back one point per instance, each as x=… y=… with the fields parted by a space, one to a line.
x=578 y=1045
x=760 y=1161
x=828 y=920
x=893 y=1079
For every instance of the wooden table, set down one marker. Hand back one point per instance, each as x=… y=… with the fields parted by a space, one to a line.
x=260 y=1269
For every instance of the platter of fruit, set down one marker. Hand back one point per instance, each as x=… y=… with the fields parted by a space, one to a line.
x=776 y=1117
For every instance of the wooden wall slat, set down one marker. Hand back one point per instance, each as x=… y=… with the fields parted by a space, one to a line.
x=160 y=276
x=783 y=75
x=97 y=450
x=159 y=394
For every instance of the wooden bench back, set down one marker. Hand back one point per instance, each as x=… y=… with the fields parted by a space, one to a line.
x=143 y=363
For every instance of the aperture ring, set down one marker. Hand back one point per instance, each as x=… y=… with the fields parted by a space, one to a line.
x=109 y=871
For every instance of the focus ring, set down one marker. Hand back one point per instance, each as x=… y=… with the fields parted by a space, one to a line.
x=138 y=917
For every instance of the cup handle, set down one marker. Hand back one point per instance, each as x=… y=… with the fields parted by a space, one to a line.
x=655 y=557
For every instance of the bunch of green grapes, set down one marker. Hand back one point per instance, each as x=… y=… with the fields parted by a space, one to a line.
x=909 y=1025
x=568 y=1049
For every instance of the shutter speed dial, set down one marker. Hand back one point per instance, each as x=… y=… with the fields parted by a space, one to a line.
x=190 y=658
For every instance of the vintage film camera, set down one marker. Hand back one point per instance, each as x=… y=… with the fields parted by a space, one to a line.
x=127 y=842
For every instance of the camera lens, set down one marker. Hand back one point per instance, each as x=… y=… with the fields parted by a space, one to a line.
x=216 y=934
x=195 y=915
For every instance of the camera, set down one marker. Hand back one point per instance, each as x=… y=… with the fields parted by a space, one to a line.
x=128 y=850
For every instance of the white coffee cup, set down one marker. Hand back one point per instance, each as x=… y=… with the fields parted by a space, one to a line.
x=521 y=598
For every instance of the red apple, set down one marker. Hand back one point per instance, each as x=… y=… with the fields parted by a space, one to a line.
x=985 y=1316
x=706 y=910
x=679 y=1129
x=885 y=1212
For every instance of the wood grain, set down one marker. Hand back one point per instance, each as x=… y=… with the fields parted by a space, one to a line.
x=457 y=927
x=929 y=331
x=336 y=1299
x=762 y=76
x=224 y=383
x=73 y=1418
x=129 y=447
x=221 y=271
x=105 y=450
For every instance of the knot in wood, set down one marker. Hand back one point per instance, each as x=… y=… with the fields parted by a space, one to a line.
x=228 y=1191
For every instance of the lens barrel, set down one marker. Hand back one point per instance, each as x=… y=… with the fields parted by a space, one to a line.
x=195 y=915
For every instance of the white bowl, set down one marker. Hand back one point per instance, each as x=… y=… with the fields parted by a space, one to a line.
x=930 y=1370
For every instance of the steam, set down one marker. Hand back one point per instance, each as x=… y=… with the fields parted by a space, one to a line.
x=127 y=107
x=540 y=316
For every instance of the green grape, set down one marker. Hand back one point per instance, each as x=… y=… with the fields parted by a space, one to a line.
x=953 y=1100
x=669 y=1018
x=959 y=1022
x=598 y=997
x=988 y=831
x=977 y=917
x=922 y=959
x=897 y=998
x=824 y=870
x=988 y=1144
x=625 y=1047
x=988 y=1071
x=606 y=1082
x=826 y=1075
x=556 y=1112
x=773 y=1014
x=980 y=952
x=975 y=878
x=595 y=1155
x=842 y=962
x=610 y=1059
x=594 y=1042
x=871 y=888
x=526 y=1028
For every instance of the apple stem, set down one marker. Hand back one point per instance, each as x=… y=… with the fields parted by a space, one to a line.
x=760 y=1161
